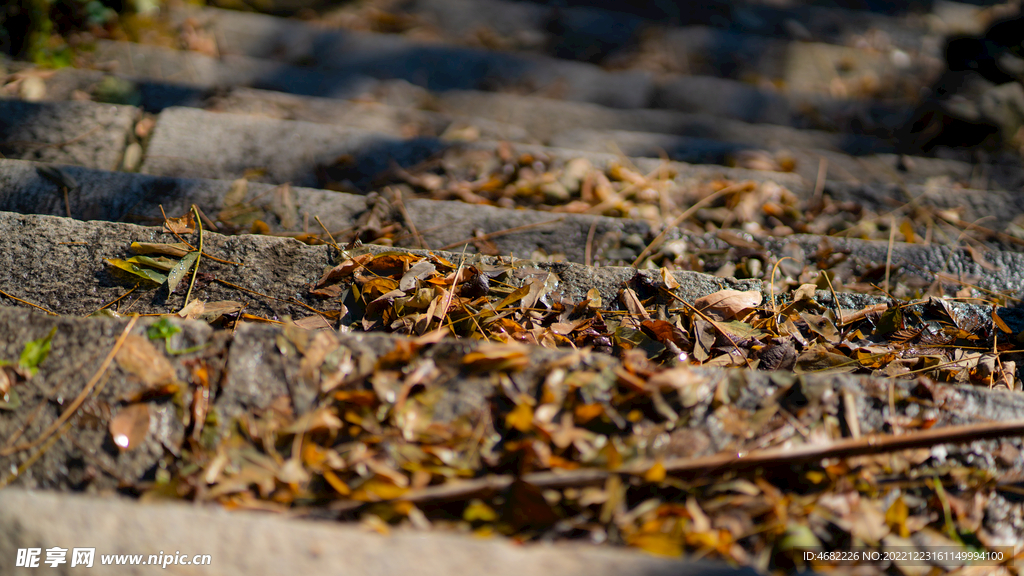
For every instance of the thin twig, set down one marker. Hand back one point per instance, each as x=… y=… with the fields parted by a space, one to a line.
x=262 y=295
x=70 y=410
x=400 y=204
x=115 y=300
x=888 y=253
x=27 y=303
x=819 y=184
x=589 y=247
x=328 y=232
x=195 y=269
x=54 y=144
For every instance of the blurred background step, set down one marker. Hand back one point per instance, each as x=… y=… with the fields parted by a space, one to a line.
x=721 y=97
x=880 y=166
x=83 y=133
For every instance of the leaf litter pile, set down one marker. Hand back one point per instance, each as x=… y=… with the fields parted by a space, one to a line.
x=591 y=418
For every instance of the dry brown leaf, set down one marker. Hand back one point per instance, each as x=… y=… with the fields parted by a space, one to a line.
x=669 y=279
x=632 y=303
x=979 y=258
x=729 y=303
x=139 y=357
x=314 y=322
x=497 y=357
x=193 y=310
x=183 y=225
x=344 y=269
x=130 y=426
x=323 y=344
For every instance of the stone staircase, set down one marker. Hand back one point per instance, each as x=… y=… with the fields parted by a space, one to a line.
x=347 y=109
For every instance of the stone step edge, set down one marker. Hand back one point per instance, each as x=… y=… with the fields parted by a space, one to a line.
x=449 y=223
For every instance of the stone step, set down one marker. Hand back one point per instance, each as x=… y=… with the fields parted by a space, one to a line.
x=468 y=115
x=848 y=25
x=82 y=133
x=600 y=36
x=398 y=107
x=202 y=144
x=431 y=65
x=851 y=165
x=198 y=143
x=259 y=544
x=525 y=233
x=187 y=74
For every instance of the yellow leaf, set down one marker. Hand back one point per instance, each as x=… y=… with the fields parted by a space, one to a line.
x=999 y=322
x=907 y=229
x=587 y=412
x=657 y=543
x=337 y=483
x=477 y=510
x=496 y=357
x=375 y=490
x=896 y=517
x=521 y=418
x=656 y=473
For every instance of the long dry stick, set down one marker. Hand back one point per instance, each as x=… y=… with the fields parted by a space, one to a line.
x=730 y=462
x=70 y=410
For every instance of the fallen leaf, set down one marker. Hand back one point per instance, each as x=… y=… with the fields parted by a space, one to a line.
x=139 y=357
x=496 y=358
x=136 y=270
x=130 y=427
x=729 y=303
x=34 y=352
x=180 y=270
x=182 y=225
x=520 y=418
x=174 y=250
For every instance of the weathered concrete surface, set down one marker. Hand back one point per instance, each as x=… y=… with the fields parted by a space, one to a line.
x=254 y=544
x=247 y=371
x=189 y=142
x=546 y=118
x=367 y=115
x=197 y=143
x=137 y=198
x=82 y=133
x=198 y=71
x=36 y=252
x=431 y=65
x=865 y=165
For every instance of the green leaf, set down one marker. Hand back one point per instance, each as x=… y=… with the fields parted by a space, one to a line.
x=162 y=329
x=180 y=270
x=35 y=352
x=135 y=269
